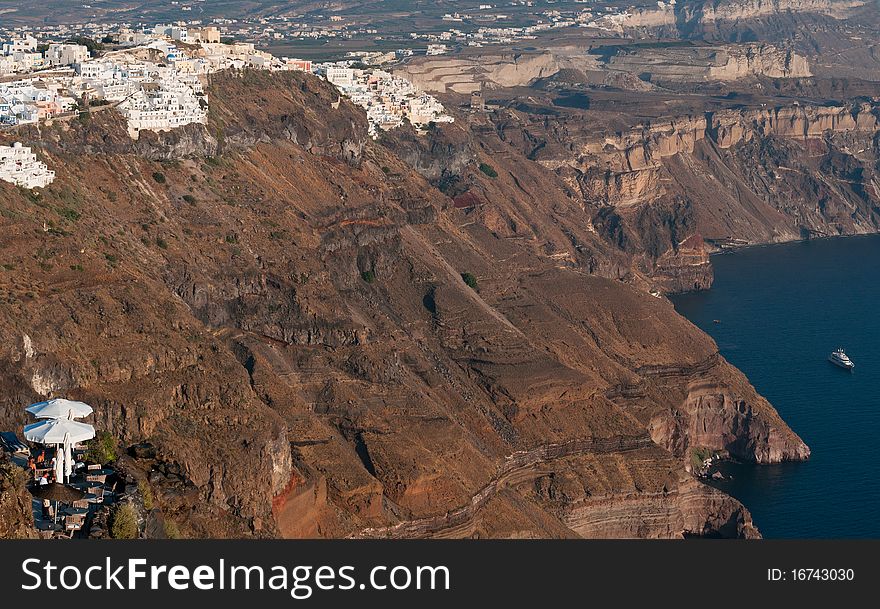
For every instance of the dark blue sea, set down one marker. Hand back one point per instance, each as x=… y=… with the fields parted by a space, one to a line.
x=782 y=310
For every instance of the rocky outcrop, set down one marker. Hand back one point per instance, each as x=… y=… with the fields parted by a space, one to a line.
x=732 y=10
x=729 y=417
x=645 y=147
x=642 y=148
x=467 y=74
x=728 y=128
x=691 y=509
x=580 y=480
x=684 y=268
x=683 y=64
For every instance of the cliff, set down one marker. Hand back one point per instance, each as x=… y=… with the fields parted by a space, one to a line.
x=675 y=189
x=269 y=314
x=684 y=64
x=468 y=73
x=703 y=16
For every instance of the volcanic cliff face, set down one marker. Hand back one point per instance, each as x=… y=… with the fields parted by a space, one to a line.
x=704 y=17
x=714 y=63
x=665 y=189
x=471 y=73
x=272 y=309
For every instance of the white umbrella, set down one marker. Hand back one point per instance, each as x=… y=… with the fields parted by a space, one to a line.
x=59 y=408
x=59 y=464
x=53 y=431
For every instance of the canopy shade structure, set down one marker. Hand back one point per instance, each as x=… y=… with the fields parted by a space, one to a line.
x=57 y=492
x=52 y=431
x=59 y=408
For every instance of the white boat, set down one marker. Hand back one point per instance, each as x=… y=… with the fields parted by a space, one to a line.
x=839 y=358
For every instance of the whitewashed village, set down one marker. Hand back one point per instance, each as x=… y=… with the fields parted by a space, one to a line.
x=156 y=81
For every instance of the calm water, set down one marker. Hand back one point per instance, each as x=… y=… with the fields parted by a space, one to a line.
x=783 y=309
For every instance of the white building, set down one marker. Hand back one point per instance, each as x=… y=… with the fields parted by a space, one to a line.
x=168 y=106
x=341 y=76
x=27 y=44
x=21 y=167
x=174 y=32
x=67 y=54
x=204 y=34
x=387 y=99
x=95 y=70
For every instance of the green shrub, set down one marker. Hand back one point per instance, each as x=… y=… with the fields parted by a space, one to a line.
x=161 y=243
x=112 y=260
x=488 y=170
x=159 y=177
x=470 y=280
x=171 y=530
x=69 y=214
x=102 y=449
x=189 y=199
x=124 y=522
x=448 y=184
x=368 y=276
x=146 y=494
x=90 y=43
x=698 y=455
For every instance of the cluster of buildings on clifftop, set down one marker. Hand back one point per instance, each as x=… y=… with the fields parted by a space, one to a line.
x=157 y=82
x=387 y=99
x=26 y=54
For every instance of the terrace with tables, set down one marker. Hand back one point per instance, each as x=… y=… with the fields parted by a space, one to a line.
x=68 y=487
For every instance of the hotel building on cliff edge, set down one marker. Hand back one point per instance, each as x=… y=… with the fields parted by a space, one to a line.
x=20 y=166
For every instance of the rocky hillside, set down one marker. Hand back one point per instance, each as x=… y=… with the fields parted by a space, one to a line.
x=674 y=189
x=303 y=332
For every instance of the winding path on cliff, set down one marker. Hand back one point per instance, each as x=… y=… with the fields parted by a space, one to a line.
x=525 y=465
x=517 y=468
